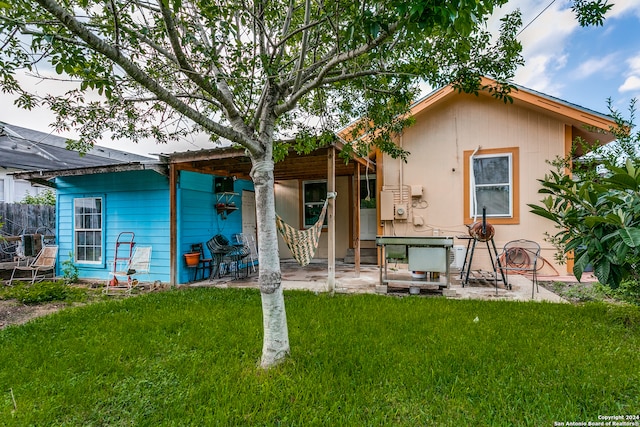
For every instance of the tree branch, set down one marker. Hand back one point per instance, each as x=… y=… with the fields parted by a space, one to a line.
x=285 y=28
x=303 y=46
x=222 y=94
x=100 y=46
x=116 y=24
x=331 y=64
x=186 y=95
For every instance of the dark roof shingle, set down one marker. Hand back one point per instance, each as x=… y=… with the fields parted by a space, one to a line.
x=27 y=149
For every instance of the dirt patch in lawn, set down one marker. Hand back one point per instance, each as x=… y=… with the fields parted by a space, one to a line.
x=16 y=313
x=13 y=312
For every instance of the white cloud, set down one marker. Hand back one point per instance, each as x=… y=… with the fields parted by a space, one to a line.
x=548 y=33
x=544 y=36
x=594 y=66
x=624 y=7
x=40 y=118
x=536 y=76
x=634 y=64
x=631 y=84
x=632 y=80
x=543 y=30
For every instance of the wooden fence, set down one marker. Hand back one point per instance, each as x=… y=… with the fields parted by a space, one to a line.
x=18 y=219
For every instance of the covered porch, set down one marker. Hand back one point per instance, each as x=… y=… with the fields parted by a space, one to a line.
x=325 y=164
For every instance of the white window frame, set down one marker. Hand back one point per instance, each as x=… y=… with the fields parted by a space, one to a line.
x=473 y=186
x=79 y=228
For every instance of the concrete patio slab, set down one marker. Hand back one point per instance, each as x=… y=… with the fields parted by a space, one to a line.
x=314 y=278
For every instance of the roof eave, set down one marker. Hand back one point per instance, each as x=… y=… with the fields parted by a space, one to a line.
x=43 y=176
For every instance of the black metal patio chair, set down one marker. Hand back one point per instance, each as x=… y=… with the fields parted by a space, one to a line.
x=226 y=255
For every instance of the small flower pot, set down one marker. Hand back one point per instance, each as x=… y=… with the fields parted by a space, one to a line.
x=192 y=259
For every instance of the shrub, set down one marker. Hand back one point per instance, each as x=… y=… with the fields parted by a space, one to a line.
x=70 y=270
x=596 y=206
x=41 y=292
x=47 y=197
x=628 y=291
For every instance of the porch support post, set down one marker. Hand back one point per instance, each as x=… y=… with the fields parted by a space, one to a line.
x=379 y=184
x=331 y=223
x=173 y=225
x=356 y=219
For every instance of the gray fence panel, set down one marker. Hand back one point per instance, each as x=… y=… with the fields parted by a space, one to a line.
x=18 y=219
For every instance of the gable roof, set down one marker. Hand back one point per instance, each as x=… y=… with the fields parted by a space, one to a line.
x=577 y=116
x=528 y=96
x=28 y=149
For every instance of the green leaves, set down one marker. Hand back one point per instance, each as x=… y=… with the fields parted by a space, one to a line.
x=630 y=237
x=580 y=264
x=597 y=209
x=236 y=69
x=590 y=12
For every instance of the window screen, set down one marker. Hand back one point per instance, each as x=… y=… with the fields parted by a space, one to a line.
x=88 y=229
x=492 y=181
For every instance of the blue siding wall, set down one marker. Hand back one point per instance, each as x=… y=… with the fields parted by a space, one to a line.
x=136 y=201
x=198 y=219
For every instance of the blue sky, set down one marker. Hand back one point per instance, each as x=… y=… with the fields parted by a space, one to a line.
x=584 y=66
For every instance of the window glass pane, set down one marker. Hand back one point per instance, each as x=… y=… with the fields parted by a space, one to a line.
x=315 y=191
x=371 y=202
x=312 y=214
x=494 y=198
x=491 y=170
x=88 y=226
x=492 y=186
x=81 y=255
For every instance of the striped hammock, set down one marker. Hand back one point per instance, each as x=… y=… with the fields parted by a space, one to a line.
x=302 y=243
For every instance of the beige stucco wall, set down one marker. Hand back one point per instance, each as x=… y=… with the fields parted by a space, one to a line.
x=288 y=205
x=437 y=141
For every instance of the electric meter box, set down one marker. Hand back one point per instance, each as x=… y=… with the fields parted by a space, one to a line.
x=387 y=210
x=401 y=211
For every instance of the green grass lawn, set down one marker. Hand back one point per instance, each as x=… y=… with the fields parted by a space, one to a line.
x=190 y=358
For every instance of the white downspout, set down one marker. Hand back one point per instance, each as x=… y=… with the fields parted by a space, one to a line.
x=401 y=173
x=473 y=186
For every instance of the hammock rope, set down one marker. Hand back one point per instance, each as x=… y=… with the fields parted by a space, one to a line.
x=303 y=243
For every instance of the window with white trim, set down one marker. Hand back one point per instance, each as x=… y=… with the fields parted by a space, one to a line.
x=491 y=185
x=88 y=229
x=314 y=194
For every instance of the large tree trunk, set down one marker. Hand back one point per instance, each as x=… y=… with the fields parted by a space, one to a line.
x=276 y=334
